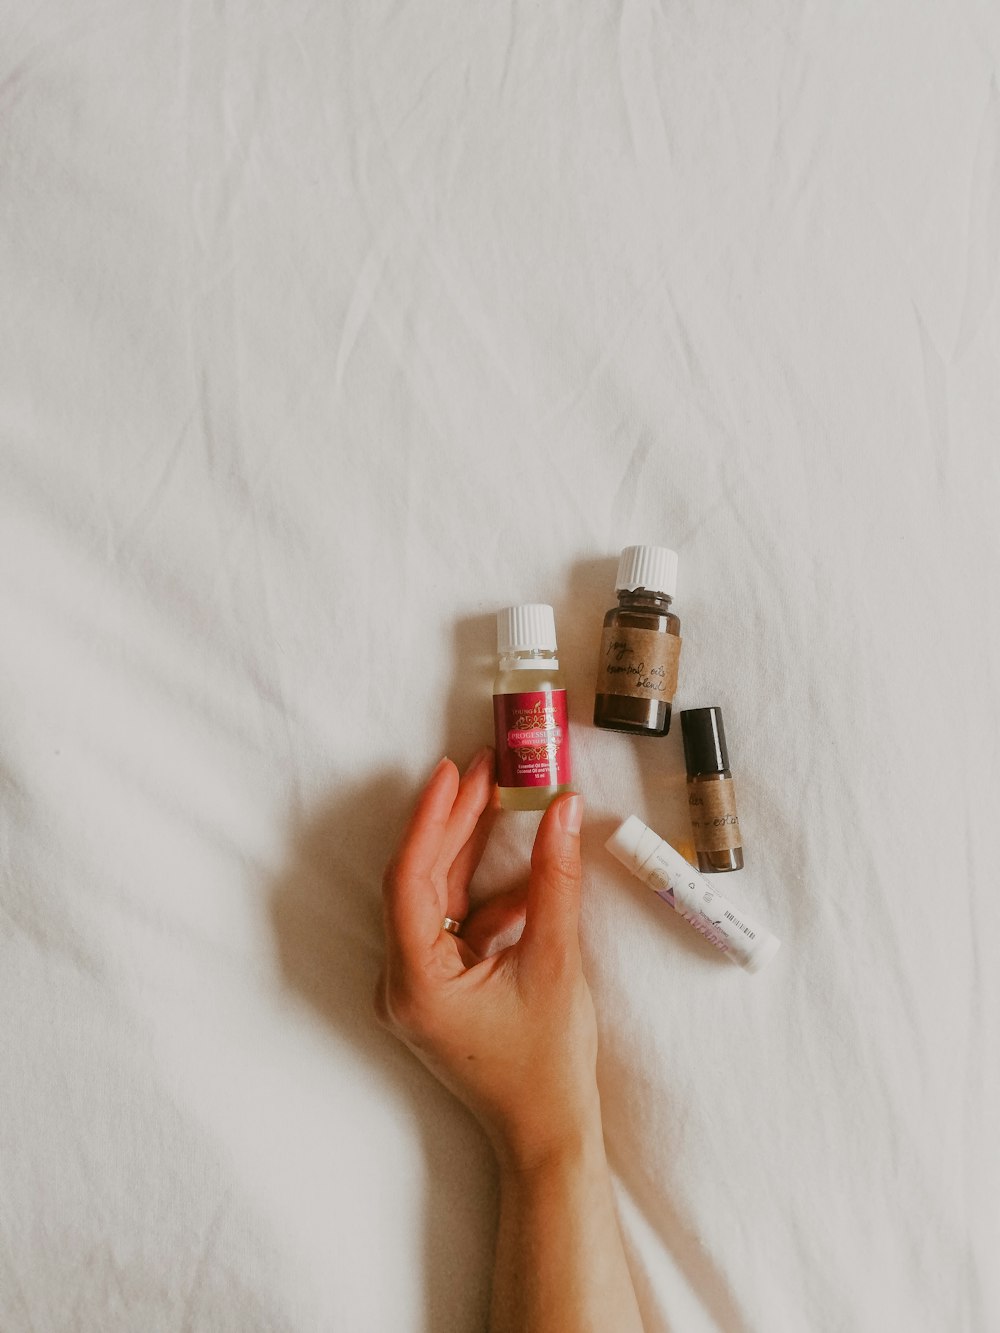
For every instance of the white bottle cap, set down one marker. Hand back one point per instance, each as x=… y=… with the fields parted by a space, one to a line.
x=521 y=628
x=651 y=567
x=633 y=843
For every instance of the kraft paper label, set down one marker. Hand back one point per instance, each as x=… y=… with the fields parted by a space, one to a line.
x=714 y=821
x=532 y=738
x=638 y=662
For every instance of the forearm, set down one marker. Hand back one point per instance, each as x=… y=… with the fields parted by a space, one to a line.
x=560 y=1265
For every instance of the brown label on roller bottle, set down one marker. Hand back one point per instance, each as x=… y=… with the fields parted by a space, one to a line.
x=714 y=821
x=639 y=662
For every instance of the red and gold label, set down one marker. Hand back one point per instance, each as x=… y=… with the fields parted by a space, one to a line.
x=532 y=739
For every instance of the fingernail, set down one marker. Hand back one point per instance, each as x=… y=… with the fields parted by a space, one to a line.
x=571 y=814
x=439 y=765
x=477 y=760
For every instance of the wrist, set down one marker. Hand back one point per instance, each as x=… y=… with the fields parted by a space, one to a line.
x=538 y=1154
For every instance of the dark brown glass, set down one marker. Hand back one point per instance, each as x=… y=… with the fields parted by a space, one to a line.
x=711 y=863
x=639 y=609
x=726 y=858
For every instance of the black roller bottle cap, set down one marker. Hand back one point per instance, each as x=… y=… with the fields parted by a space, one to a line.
x=704 y=741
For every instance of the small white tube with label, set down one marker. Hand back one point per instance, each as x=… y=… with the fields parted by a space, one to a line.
x=688 y=892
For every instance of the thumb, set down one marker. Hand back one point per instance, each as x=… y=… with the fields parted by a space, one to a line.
x=554 y=884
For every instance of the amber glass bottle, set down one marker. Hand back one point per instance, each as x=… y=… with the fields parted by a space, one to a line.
x=640 y=646
x=711 y=793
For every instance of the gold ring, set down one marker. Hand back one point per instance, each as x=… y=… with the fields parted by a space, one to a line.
x=451 y=925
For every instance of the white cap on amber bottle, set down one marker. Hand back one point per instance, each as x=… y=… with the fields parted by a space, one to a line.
x=651 y=567
x=523 y=628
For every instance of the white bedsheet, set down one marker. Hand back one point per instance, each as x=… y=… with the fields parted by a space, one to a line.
x=327 y=330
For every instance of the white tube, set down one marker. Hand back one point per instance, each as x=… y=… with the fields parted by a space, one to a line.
x=688 y=892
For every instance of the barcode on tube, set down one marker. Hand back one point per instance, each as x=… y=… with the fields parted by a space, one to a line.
x=752 y=934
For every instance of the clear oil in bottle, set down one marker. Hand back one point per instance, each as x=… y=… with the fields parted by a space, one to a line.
x=530 y=715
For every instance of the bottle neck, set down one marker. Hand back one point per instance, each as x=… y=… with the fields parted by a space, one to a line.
x=529 y=659
x=645 y=599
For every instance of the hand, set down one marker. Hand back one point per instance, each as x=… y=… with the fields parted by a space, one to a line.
x=511 y=1030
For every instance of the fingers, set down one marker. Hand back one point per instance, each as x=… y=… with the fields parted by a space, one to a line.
x=483 y=809
x=413 y=897
x=428 y=877
x=553 y=899
x=443 y=843
x=495 y=924
x=473 y=797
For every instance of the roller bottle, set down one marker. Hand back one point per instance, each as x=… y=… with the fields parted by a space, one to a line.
x=711 y=793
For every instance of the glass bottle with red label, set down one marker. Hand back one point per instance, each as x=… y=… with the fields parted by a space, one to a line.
x=529 y=710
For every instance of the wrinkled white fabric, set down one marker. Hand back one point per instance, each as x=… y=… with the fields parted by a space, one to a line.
x=330 y=329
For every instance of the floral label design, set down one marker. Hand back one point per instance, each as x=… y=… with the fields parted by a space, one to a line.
x=532 y=739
